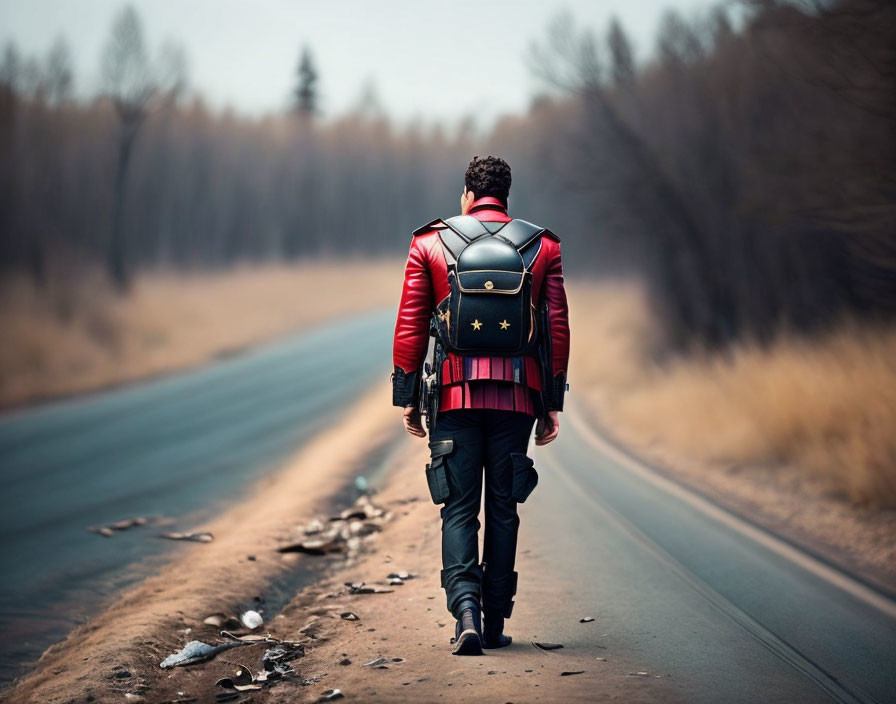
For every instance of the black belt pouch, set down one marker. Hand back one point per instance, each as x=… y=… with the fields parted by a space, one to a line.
x=525 y=478
x=436 y=476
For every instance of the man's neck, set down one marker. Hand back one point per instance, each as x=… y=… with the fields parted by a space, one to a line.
x=487 y=203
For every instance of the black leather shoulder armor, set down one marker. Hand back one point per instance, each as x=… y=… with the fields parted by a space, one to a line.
x=436 y=224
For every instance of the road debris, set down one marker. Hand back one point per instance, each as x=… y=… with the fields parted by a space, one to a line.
x=196 y=651
x=219 y=620
x=362 y=588
x=639 y=673
x=547 y=646
x=283 y=652
x=383 y=663
x=571 y=672
x=251 y=620
x=249 y=637
x=586 y=619
x=110 y=529
x=330 y=695
x=203 y=537
x=349 y=616
x=242 y=681
x=344 y=533
x=400 y=575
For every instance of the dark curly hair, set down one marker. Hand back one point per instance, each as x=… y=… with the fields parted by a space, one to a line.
x=488 y=176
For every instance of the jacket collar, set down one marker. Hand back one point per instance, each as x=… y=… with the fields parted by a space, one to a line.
x=487 y=203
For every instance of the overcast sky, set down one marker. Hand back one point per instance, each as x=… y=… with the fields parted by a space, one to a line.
x=437 y=60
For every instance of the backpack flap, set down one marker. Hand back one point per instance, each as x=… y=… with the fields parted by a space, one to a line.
x=490 y=281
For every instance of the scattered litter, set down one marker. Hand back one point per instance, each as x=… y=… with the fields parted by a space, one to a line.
x=640 y=673
x=242 y=681
x=400 y=575
x=340 y=534
x=349 y=616
x=547 y=646
x=219 y=620
x=252 y=620
x=248 y=637
x=282 y=652
x=571 y=672
x=383 y=663
x=586 y=619
x=195 y=537
x=110 y=529
x=396 y=582
x=601 y=659
x=279 y=671
x=330 y=695
x=197 y=651
x=362 y=588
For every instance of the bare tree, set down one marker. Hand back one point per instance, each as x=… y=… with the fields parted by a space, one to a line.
x=60 y=78
x=135 y=84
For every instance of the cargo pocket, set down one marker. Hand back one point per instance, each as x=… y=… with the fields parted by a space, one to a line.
x=436 y=477
x=525 y=478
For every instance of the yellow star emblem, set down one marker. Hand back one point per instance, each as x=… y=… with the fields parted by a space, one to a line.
x=504 y=324
x=476 y=324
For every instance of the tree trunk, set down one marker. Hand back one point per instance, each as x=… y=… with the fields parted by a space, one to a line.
x=117 y=254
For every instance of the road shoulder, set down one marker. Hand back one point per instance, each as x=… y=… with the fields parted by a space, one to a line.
x=119 y=651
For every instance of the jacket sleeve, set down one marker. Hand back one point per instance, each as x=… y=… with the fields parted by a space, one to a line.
x=558 y=320
x=412 y=326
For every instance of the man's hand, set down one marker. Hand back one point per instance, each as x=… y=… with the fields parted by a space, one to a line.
x=547 y=429
x=412 y=422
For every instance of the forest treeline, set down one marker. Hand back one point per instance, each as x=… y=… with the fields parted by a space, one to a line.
x=747 y=169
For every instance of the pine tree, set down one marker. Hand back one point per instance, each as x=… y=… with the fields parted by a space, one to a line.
x=306 y=96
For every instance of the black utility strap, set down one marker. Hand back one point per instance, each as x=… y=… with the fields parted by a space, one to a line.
x=462 y=229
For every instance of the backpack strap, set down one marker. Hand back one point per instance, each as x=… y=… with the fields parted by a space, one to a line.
x=526 y=237
x=458 y=233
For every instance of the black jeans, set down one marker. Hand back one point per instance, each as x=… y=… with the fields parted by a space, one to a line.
x=483 y=439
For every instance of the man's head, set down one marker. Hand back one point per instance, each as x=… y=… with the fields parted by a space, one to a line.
x=487 y=176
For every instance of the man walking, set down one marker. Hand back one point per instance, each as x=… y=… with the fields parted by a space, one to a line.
x=489 y=289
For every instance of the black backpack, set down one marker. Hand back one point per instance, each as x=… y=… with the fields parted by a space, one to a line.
x=489 y=310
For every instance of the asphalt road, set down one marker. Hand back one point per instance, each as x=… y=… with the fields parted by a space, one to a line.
x=723 y=610
x=178 y=448
x=720 y=609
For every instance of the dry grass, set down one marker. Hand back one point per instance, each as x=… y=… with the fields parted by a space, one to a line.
x=76 y=335
x=827 y=405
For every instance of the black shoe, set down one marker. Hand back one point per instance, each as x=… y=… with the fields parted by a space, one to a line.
x=468 y=632
x=493 y=633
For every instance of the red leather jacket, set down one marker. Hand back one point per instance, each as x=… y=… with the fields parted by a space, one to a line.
x=464 y=378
